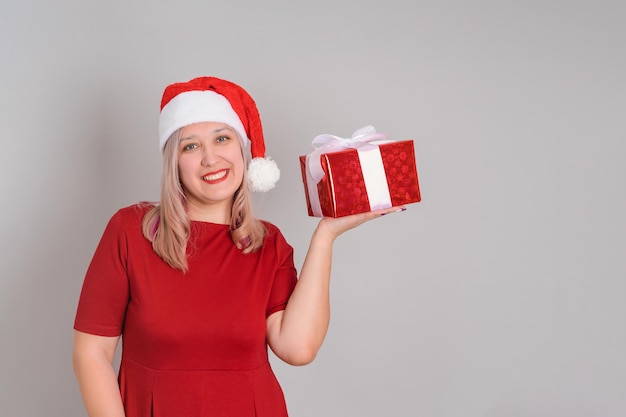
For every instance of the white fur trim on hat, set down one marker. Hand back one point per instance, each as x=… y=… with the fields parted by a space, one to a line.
x=195 y=107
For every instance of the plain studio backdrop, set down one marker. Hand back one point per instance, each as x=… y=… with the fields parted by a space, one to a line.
x=502 y=293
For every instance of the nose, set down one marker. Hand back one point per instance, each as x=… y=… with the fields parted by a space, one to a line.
x=209 y=156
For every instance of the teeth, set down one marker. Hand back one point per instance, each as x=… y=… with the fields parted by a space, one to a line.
x=214 y=177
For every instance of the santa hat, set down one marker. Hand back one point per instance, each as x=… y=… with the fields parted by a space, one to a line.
x=210 y=99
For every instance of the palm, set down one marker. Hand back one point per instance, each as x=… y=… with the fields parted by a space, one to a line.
x=339 y=225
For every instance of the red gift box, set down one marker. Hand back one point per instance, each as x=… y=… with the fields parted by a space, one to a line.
x=354 y=182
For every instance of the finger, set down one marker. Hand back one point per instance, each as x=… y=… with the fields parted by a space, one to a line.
x=364 y=217
x=396 y=209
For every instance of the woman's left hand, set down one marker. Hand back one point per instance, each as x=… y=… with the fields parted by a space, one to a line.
x=336 y=226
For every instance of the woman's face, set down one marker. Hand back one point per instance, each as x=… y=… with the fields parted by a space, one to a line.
x=210 y=166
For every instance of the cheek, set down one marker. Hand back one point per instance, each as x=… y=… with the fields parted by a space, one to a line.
x=239 y=161
x=241 y=164
x=184 y=171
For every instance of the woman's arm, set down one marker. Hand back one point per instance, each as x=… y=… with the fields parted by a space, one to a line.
x=93 y=365
x=296 y=334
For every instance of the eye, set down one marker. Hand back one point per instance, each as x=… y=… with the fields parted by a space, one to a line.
x=222 y=138
x=190 y=146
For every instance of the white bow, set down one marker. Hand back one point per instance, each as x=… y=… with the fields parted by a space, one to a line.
x=326 y=143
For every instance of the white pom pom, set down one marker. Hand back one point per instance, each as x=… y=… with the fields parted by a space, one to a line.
x=263 y=174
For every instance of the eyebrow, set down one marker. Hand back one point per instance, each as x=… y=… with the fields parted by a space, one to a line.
x=191 y=137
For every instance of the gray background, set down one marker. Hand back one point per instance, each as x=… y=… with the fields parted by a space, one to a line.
x=501 y=294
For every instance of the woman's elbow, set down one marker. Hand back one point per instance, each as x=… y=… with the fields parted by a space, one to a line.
x=300 y=356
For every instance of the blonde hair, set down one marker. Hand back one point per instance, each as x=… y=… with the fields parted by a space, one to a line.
x=167 y=226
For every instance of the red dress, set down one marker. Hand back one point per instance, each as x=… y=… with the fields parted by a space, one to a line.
x=194 y=344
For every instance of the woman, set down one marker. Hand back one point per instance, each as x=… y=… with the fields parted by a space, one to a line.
x=195 y=284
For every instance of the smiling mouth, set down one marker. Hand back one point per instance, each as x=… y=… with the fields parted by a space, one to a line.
x=216 y=176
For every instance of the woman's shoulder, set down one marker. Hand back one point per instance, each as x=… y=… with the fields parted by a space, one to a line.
x=270 y=227
x=273 y=233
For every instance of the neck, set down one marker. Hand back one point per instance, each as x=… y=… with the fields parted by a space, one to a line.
x=213 y=214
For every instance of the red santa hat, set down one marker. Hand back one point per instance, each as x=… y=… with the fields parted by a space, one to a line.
x=210 y=99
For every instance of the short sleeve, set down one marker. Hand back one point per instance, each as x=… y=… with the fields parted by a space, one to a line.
x=286 y=275
x=105 y=292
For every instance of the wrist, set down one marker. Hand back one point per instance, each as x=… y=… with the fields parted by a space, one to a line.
x=324 y=234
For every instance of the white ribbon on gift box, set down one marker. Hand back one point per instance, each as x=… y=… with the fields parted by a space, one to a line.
x=365 y=141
